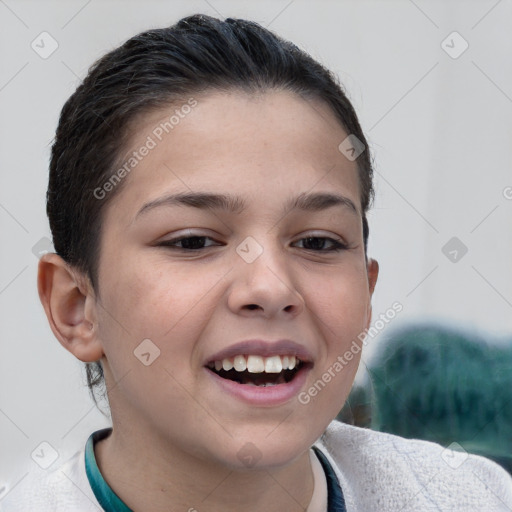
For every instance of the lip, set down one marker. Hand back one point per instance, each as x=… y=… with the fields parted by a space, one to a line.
x=255 y=347
x=262 y=396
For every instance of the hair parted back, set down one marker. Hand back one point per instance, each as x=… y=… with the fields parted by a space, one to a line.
x=154 y=69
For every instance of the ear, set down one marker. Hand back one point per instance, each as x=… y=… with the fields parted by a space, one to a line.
x=372 y=270
x=69 y=303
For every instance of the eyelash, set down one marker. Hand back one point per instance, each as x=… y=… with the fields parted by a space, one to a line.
x=336 y=244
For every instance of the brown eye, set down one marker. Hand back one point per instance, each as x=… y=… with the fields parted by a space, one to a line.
x=318 y=244
x=188 y=243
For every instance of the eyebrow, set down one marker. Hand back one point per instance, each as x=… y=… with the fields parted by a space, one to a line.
x=311 y=202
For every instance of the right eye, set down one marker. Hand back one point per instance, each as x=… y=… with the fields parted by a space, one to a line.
x=188 y=243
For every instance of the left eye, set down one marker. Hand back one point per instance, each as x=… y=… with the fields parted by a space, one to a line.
x=317 y=243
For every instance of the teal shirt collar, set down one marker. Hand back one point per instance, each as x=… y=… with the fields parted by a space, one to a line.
x=106 y=497
x=111 y=502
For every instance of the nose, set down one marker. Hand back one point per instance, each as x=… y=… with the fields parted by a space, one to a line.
x=265 y=287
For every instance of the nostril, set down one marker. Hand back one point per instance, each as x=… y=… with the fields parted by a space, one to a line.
x=253 y=306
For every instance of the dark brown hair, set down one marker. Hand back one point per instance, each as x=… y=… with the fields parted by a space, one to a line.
x=150 y=70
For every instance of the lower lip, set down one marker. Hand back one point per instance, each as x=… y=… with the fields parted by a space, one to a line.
x=260 y=395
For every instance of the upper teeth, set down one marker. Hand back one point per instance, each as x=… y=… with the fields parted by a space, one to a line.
x=257 y=364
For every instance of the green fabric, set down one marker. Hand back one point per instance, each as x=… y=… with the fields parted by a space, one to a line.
x=106 y=497
x=443 y=384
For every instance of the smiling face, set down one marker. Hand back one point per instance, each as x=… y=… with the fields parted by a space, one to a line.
x=201 y=276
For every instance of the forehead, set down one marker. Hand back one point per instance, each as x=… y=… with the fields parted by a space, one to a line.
x=273 y=143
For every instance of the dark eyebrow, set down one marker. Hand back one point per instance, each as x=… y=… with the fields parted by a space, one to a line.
x=234 y=204
x=320 y=201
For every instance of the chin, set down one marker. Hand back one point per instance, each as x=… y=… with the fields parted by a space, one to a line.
x=261 y=452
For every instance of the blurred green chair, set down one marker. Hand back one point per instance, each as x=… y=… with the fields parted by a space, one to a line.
x=439 y=384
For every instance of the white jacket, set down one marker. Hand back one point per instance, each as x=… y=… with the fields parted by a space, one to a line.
x=377 y=472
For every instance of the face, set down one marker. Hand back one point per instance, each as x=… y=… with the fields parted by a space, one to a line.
x=257 y=280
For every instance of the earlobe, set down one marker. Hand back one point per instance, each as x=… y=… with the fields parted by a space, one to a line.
x=68 y=301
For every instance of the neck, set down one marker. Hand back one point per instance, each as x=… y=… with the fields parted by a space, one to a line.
x=150 y=478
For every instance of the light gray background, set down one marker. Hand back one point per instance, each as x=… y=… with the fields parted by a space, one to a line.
x=439 y=127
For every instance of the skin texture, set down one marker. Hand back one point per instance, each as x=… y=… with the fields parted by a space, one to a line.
x=177 y=436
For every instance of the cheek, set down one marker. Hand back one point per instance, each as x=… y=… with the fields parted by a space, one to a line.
x=159 y=303
x=154 y=296
x=341 y=305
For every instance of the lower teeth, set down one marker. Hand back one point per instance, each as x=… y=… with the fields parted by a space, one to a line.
x=255 y=379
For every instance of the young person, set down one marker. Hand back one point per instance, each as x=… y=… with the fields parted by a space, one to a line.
x=209 y=185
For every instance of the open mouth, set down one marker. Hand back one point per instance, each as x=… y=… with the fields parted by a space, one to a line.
x=257 y=370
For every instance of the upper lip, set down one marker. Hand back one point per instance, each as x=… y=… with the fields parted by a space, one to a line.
x=257 y=347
